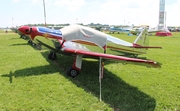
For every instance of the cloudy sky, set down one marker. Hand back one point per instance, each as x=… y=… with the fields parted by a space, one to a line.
x=112 y=12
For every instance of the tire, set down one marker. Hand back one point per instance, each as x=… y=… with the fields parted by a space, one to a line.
x=33 y=44
x=29 y=41
x=72 y=72
x=52 y=56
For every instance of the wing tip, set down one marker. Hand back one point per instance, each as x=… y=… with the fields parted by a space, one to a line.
x=155 y=64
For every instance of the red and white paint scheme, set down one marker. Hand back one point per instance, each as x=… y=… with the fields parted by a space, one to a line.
x=78 y=40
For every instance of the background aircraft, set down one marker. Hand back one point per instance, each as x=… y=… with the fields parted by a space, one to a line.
x=79 y=41
x=121 y=29
x=137 y=30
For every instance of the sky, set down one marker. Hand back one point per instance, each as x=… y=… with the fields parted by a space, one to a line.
x=111 y=12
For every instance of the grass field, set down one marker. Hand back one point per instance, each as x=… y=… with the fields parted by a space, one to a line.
x=29 y=81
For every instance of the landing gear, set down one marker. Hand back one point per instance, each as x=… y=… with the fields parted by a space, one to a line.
x=31 y=42
x=52 y=56
x=72 y=72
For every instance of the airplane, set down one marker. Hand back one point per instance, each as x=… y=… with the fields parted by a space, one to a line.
x=123 y=48
x=76 y=40
x=120 y=29
x=137 y=30
x=79 y=41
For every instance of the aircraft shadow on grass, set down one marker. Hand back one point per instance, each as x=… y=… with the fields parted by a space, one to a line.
x=115 y=91
x=19 y=44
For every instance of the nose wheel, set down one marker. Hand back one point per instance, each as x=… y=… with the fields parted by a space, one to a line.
x=52 y=56
x=31 y=42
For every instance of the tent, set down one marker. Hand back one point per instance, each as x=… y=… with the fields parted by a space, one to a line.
x=163 y=34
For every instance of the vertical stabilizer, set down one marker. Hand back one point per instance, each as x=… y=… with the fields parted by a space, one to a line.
x=142 y=39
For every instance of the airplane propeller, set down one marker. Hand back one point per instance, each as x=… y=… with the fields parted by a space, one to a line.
x=28 y=31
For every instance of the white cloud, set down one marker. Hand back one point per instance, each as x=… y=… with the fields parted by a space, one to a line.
x=100 y=11
x=71 y=5
x=127 y=12
x=173 y=16
x=16 y=0
x=120 y=12
x=35 y=1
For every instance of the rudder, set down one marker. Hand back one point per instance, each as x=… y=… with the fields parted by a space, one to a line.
x=142 y=39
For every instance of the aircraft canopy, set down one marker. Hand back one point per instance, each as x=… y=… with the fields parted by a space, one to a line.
x=78 y=32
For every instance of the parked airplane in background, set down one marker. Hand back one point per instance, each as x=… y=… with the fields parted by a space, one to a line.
x=137 y=30
x=164 y=29
x=122 y=29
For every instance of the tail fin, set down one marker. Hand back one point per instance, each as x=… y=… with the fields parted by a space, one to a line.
x=142 y=39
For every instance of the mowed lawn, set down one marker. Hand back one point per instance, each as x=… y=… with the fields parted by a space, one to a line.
x=29 y=81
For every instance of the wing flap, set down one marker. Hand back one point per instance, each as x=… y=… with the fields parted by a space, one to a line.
x=146 y=47
x=121 y=59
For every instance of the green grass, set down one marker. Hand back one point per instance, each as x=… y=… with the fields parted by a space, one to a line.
x=29 y=81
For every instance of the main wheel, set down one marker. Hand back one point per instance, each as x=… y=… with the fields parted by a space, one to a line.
x=29 y=41
x=33 y=44
x=72 y=72
x=52 y=56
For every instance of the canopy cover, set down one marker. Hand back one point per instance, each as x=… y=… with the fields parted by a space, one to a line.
x=78 y=32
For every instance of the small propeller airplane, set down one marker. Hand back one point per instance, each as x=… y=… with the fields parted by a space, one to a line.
x=120 y=29
x=137 y=30
x=77 y=40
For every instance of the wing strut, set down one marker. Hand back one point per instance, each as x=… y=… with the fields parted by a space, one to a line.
x=60 y=46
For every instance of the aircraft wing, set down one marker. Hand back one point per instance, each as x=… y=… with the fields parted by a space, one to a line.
x=121 y=59
x=118 y=41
